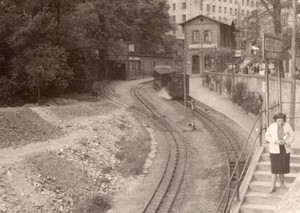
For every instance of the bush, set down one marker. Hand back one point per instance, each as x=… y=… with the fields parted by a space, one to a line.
x=239 y=93
x=249 y=101
x=94 y=204
x=8 y=91
x=227 y=85
x=252 y=102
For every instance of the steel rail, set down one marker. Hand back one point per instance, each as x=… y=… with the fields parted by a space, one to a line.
x=169 y=184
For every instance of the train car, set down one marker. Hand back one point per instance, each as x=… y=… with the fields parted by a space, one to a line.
x=172 y=80
x=175 y=86
x=161 y=75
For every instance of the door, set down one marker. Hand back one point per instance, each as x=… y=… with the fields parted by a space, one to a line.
x=195 y=64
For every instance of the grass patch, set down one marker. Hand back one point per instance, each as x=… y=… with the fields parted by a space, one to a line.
x=133 y=154
x=95 y=204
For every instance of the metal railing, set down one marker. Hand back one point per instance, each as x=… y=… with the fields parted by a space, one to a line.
x=225 y=201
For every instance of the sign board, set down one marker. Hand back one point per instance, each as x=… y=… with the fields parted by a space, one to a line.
x=272 y=47
x=131 y=48
x=202 y=46
x=134 y=58
x=238 y=53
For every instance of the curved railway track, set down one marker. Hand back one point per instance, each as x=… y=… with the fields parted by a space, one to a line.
x=166 y=191
x=169 y=184
x=224 y=136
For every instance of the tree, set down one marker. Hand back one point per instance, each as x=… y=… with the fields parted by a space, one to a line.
x=275 y=12
x=154 y=23
x=47 y=68
x=52 y=41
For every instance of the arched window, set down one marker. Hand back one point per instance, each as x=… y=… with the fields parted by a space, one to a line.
x=196 y=36
x=207 y=36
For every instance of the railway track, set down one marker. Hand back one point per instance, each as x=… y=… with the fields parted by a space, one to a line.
x=169 y=184
x=224 y=136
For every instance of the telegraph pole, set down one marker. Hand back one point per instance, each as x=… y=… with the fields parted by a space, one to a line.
x=293 y=77
x=184 y=82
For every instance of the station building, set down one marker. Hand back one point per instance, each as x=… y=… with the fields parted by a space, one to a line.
x=133 y=65
x=208 y=44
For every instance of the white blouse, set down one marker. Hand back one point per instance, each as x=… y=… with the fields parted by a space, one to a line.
x=272 y=135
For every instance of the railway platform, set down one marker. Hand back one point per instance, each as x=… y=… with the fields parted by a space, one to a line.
x=222 y=104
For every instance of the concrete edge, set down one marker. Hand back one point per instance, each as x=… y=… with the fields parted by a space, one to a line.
x=248 y=177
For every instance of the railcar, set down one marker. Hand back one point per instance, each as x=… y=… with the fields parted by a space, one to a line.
x=172 y=80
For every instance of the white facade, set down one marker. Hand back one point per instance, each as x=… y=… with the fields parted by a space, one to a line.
x=222 y=10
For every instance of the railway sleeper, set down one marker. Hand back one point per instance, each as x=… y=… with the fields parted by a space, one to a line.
x=240 y=168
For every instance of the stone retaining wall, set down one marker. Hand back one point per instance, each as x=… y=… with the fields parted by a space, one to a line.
x=256 y=83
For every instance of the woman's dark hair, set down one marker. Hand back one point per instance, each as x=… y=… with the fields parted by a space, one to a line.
x=280 y=115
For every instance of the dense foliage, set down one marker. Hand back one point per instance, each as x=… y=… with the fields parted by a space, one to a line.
x=51 y=44
x=247 y=100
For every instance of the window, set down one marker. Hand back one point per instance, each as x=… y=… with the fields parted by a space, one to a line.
x=252 y=3
x=207 y=36
x=247 y=2
x=220 y=9
x=214 y=8
x=220 y=18
x=207 y=62
x=235 y=1
x=224 y=0
x=183 y=5
x=231 y=11
x=207 y=7
x=174 y=6
x=201 y=6
x=247 y=12
x=174 y=18
x=243 y=12
x=134 y=65
x=225 y=10
x=196 y=37
x=183 y=17
x=230 y=1
x=243 y=2
x=235 y=12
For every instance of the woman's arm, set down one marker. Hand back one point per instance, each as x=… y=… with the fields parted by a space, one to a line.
x=269 y=137
x=291 y=134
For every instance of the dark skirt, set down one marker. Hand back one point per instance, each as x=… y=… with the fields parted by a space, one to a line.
x=280 y=163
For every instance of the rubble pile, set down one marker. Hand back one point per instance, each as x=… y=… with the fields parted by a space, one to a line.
x=79 y=177
x=21 y=126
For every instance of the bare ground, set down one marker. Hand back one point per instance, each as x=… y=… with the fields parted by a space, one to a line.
x=74 y=156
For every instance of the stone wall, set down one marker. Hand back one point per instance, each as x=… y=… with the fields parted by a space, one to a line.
x=256 y=83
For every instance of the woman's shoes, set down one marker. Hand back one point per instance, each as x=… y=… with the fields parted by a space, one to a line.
x=273 y=189
x=284 y=187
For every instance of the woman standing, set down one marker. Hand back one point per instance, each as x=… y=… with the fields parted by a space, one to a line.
x=280 y=136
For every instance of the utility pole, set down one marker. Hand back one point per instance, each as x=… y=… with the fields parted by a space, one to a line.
x=293 y=80
x=184 y=81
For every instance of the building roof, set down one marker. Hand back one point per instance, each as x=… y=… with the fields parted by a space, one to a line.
x=183 y=23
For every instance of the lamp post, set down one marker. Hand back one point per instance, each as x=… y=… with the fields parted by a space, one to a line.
x=193 y=109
